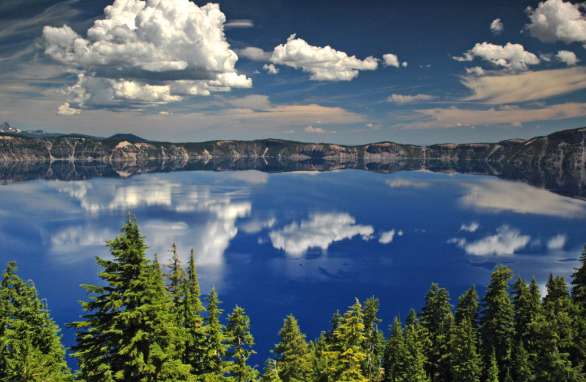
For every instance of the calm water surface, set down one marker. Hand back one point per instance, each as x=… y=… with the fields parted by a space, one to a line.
x=305 y=243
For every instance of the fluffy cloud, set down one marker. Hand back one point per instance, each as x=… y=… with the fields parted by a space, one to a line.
x=254 y=54
x=406 y=183
x=522 y=87
x=475 y=71
x=257 y=225
x=496 y=26
x=314 y=130
x=66 y=109
x=450 y=117
x=505 y=242
x=498 y=195
x=567 y=57
x=557 y=242
x=391 y=59
x=323 y=63
x=510 y=56
x=319 y=231
x=149 y=52
x=404 y=99
x=387 y=237
x=271 y=68
x=470 y=227
x=557 y=20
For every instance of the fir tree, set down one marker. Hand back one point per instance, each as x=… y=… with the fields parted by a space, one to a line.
x=216 y=340
x=395 y=354
x=129 y=331
x=466 y=363
x=374 y=342
x=30 y=343
x=415 y=351
x=348 y=345
x=492 y=373
x=292 y=352
x=271 y=373
x=498 y=320
x=241 y=343
x=437 y=318
x=579 y=282
x=468 y=306
x=522 y=371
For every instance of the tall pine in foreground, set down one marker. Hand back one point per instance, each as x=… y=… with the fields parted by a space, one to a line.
x=30 y=343
x=129 y=331
x=292 y=352
x=498 y=321
x=241 y=342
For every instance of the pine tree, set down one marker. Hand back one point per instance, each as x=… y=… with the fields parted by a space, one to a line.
x=271 y=373
x=527 y=307
x=522 y=370
x=559 y=310
x=30 y=342
x=579 y=282
x=466 y=363
x=468 y=306
x=176 y=278
x=191 y=311
x=492 y=373
x=241 y=341
x=395 y=354
x=415 y=351
x=129 y=331
x=292 y=352
x=216 y=339
x=498 y=320
x=374 y=343
x=437 y=318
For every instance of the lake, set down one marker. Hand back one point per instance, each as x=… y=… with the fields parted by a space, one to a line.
x=301 y=242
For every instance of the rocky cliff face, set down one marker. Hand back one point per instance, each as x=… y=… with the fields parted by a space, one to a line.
x=561 y=151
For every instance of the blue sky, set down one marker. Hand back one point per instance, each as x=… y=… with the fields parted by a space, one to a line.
x=346 y=71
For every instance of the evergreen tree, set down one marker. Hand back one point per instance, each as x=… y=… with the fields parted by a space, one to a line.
x=374 y=343
x=176 y=277
x=492 y=373
x=30 y=343
x=527 y=307
x=129 y=331
x=579 y=282
x=522 y=370
x=560 y=312
x=468 y=306
x=191 y=311
x=241 y=343
x=293 y=353
x=498 y=320
x=216 y=341
x=466 y=362
x=395 y=354
x=437 y=318
x=415 y=351
x=271 y=373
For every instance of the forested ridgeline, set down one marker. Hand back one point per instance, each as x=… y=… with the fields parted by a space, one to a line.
x=148 y=322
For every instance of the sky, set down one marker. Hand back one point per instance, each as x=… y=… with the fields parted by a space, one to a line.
x=347 y=71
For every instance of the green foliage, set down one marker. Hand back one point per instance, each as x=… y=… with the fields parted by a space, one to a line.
x=292 y=352
x=498 y=320
x=241 y=342
x=129 y=331
x=437 y=318
x=137 y=327
x=30 y=343
x=579 y=283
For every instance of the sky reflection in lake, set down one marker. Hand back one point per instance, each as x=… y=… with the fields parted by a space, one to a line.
x=305 y=243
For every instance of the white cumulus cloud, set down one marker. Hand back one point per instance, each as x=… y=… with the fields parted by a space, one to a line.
x=496 y=26
x=66 y=109
x=510 y=56
x=557 y=242
x=470 y=227
x=149 y=52
x=557 y=20
x=323 y=63
x=404 y=98
x=505 y=242
x=407 y=183
x=271 y=68
x=319 y=231
x=567 y=57
x=254 y=54
x=314 y=130
x=387 y=237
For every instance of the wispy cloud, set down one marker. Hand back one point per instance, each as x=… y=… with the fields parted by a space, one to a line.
x=505 y=242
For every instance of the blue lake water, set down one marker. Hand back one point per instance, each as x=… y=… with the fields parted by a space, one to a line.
x=305 y=243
